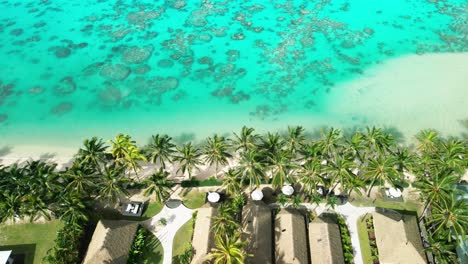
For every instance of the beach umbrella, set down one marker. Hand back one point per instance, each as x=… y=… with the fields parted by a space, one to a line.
x=287 y=190
x=394 y=192
x=257 y=195
x=213 y=197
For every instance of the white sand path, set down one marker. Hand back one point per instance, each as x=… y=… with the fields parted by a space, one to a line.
x=175 y=218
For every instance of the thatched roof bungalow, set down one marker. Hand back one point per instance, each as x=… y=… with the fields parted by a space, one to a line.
x=398 y=239
x=257 y=227
x=203 y=238
x=111 y=242
x=290 y=237
x=325 y=240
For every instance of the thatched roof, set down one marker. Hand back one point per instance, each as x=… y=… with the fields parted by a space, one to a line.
x=290 y=237
x=325 y=240
x=111 y=242
x=257 y=231
x=203 y=238
x=398 y=239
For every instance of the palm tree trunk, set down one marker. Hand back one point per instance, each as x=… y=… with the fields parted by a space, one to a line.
x=426 y=207
x=372 y=185
x=332 y=189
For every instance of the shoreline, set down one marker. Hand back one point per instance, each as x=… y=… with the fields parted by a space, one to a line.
x=404 y=95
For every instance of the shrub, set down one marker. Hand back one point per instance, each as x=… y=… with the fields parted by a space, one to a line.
x=346 y=241
x=196 y=183
x=163 y=221
x=138 y=245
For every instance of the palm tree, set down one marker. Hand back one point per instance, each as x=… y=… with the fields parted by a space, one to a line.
x=125 y=152
x=10 y=207
x=310 y=176
x=381 y=169
x=231 y=182
x=404 y=159
x=449 y=218
x=245 y=140
x=93 y=152
x=160 y=150
x=228 y=250
x=281 y=167
x=311 y=151
x=216 y=152
x=296 y=202
x=282 y=200
x=436 y=188
x=113 y=183
x=295 y=139
x=443 y=252
x=271 y=144
x=224 y=223
x=377 y=142
x=159 y=184
x=428 y=141
x=452 y=155
x=330 y=142
x=340 y=172
x=250 y=169
x=71 y=209
x=189 y=158
x=80 y=180
x=332 y=201
x=355 y=146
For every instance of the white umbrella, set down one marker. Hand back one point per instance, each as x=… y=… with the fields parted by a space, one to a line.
x=257 y=195
x=213 y=197
x=394 y=192
x=287 y=190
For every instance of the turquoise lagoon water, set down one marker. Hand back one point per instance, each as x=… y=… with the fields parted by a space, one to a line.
x=74 y=69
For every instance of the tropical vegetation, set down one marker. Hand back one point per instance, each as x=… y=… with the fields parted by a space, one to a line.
x=356 y=161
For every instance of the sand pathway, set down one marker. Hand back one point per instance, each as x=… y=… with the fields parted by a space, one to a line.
x=175 y=218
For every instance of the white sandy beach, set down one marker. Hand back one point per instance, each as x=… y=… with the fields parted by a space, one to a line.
x=409 y=93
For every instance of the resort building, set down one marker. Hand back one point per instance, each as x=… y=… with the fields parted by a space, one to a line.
x=257 y=231
x=111 y=242
x=290 y=237
x=398 y=239
x=203 y=238
x=325 y=240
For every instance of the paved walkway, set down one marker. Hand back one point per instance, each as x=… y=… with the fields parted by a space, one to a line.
x=351 y=215
x=175 y=218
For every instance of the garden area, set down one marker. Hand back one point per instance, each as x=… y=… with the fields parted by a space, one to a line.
x=367 y=240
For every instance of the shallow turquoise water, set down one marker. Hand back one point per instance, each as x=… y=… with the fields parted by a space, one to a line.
x=72 y=69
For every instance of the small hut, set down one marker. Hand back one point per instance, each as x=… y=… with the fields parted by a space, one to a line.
x=111 y=242
x=398 y=239
x=257 y=223
x=325 y=240
x=203 y=238
x=290 y=237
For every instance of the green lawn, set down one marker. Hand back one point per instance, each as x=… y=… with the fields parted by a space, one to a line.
x=153 y=209
x=408 y=205
x=34 y=239
x=364 y=240
x=153 y=252
x=183 y=238
x=194 y=199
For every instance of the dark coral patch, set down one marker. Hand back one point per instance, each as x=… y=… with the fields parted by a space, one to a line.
x=61 y=108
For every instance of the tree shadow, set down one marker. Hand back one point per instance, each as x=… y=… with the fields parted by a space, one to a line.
x=5 y=150
x=24 y=253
